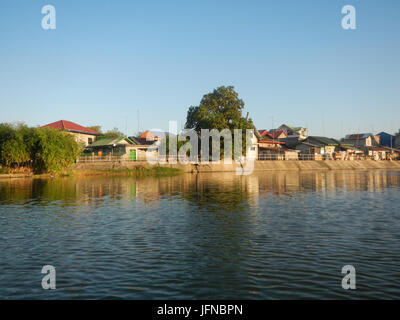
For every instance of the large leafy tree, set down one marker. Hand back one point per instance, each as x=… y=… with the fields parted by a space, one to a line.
x=220 y=109
x=96 y=128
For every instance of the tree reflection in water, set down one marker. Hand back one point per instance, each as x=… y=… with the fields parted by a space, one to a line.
x=213 y=191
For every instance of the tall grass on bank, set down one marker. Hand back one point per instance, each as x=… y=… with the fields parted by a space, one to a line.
x=137 y=171
x=3 y=170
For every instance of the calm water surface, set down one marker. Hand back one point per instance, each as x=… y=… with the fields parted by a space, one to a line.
x=209 y=236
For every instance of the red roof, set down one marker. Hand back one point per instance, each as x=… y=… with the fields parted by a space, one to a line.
x=358 y=136
x=146 y=134
x=276 y=134
x=152 y=135
x=272 y=142
x=70 y=126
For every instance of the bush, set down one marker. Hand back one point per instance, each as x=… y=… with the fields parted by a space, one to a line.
x=13 y=150
x=47 y=150
x=55 y=150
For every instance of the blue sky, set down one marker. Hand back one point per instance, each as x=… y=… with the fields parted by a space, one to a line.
x=290 y=61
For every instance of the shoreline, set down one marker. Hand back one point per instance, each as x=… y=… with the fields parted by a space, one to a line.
x=143 y=169
x=259 y=165
x=124 y=172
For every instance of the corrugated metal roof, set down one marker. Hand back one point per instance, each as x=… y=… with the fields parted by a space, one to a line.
x=358 y=136
x=271 y=142
x=110 y=141
x=323 y=140
x=142 y=141
x=385 y=134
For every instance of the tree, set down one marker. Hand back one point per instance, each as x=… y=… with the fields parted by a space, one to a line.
x=170 y=142
x=114 y=133
x=220 y=109
x=7 y=131
x=42 y=149
x=95 y=128
x=13 y=150
x=55 y=150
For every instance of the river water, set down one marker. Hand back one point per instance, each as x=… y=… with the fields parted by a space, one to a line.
x=207 y=236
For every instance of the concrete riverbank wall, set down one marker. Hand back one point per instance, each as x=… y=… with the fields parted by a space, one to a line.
x=258 y=166
x=99 y=167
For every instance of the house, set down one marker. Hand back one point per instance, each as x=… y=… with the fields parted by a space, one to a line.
x=291 y=132
x=362 y=140
x=318 y=145
x=143 y=147
x=376 y=153
x=277 y=134
x=153 y=135
x=391 y=153
x=397 y=141
x=275 y=150
x=349 y=152
x=252 y=150
x=81 y=134
x=387 y=140
x=263 y=132
x=128 y=149
x=291 y=142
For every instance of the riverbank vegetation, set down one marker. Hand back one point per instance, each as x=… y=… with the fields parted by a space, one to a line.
x=137 y=172
x=40 y=150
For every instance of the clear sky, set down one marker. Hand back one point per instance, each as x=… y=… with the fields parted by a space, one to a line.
x=290 y=61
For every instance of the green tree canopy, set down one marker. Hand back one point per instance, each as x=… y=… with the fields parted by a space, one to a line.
x=220 y=109
x=113 y=133
x=43 y=149
x=95 y=128
x=55 y=150
x=13 y=149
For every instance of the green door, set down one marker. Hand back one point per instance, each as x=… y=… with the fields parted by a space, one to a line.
x=133 y=155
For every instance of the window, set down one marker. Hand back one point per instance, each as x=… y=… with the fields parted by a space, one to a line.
x=90 y=141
